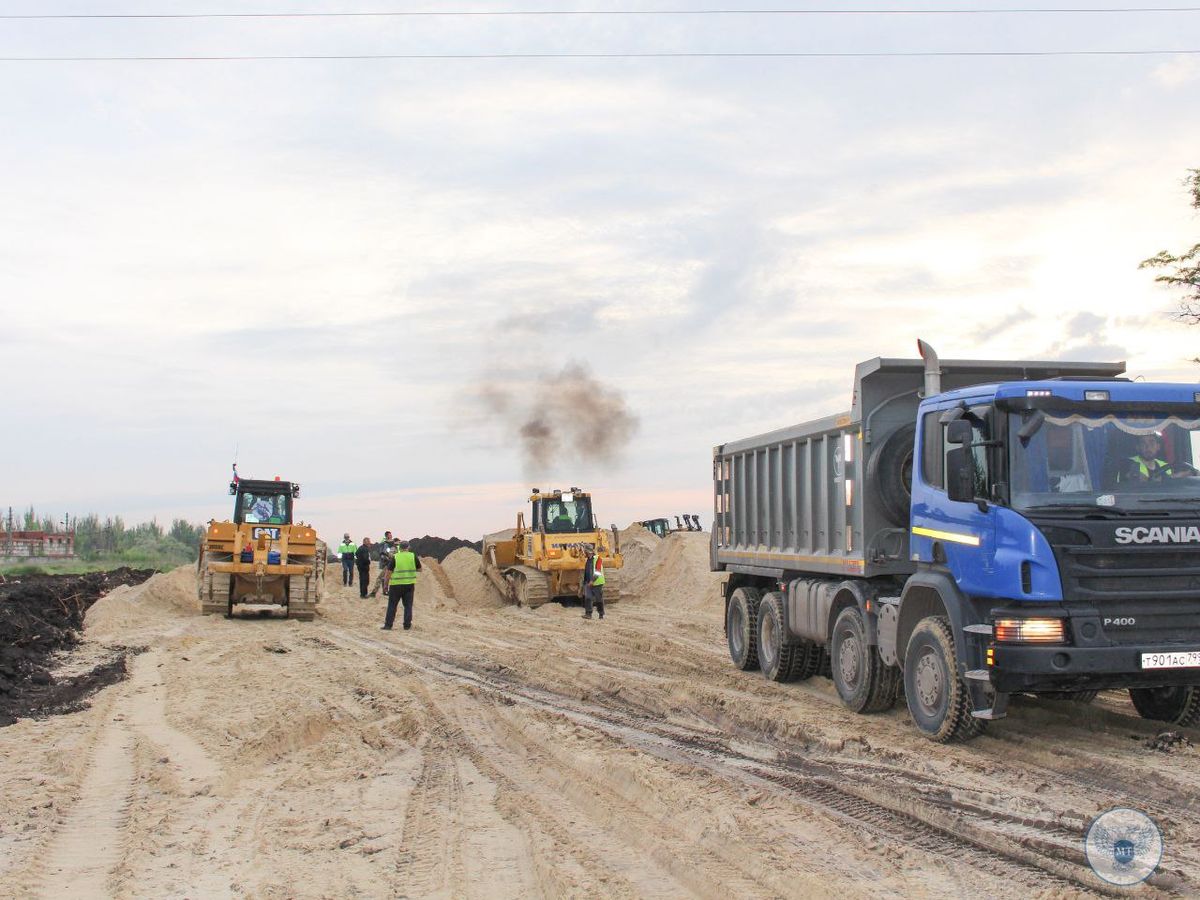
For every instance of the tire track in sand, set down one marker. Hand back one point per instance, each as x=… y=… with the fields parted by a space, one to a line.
x=88 y=848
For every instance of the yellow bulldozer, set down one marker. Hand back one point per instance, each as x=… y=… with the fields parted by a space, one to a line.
x=545 y=560
x=262 y=562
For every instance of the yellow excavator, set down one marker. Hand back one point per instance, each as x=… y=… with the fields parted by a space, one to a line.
x=544 y=560
x=262 y=562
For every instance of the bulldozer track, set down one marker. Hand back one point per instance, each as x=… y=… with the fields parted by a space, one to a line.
x=532 y=587
x=1044 y=854
x=214 y=594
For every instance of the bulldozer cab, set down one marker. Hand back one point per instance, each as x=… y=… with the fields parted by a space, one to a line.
x=659 y=527
x=562 y=513
x=263 y=502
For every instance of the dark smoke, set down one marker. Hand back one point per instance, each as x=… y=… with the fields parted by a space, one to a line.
x=567 y=418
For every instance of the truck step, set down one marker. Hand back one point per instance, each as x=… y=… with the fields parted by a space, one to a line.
x=990 y=714
x=979 y=675
x=985 y=630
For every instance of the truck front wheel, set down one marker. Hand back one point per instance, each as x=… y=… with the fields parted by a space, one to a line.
x=741 y=627
x=937 y=698
x=1177 y=705
x=864 y=682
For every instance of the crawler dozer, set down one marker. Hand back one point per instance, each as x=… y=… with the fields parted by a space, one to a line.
x=261 y=562
x=545 y=560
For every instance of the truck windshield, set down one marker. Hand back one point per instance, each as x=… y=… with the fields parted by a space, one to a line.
x=567 y=516
x=1122 y=460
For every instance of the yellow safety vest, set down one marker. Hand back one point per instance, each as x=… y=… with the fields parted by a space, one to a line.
x=598 y=577
x=404 y=569
x=1160 y=465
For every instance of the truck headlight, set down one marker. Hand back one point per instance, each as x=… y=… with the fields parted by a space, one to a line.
x=1029 y=631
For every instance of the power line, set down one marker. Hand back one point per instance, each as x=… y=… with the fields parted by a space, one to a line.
x=464 y=13
x=888 y=54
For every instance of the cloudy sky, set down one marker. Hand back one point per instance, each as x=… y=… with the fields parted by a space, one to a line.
x=331 y=267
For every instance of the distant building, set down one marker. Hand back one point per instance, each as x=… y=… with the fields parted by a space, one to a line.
x=29 y=545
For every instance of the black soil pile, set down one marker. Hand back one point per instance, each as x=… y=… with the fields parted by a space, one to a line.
x=39 y=616
x=440 y=548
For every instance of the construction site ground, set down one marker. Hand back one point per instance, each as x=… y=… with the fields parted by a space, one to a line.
x=504 y=752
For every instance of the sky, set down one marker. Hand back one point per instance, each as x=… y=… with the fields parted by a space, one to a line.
x=324 y=268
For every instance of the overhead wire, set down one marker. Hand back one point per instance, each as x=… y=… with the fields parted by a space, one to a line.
x=861 y=11
x=483 y=13
x=607 y=55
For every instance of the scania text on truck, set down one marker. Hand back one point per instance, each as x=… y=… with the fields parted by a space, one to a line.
x=969 y=530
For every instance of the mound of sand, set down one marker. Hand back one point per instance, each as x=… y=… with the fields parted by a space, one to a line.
x=166 y=595
x=472 y=589
x=433 y=587
x=637 y=549
x=677 y=573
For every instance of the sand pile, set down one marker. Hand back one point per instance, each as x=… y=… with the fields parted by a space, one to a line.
x=677 y=573
x=637 y=549
x=434 y=590
x=165 y=595
x=470 y=587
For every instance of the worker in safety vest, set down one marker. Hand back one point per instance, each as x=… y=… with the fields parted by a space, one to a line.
x=593 y=585
x=404 y=567
x=1147 y=464
x=346 y=551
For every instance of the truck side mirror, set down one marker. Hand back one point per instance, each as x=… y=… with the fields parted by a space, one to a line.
x=960 y=473
x=958 y=432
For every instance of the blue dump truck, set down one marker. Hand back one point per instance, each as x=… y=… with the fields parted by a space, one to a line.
x=969 y=530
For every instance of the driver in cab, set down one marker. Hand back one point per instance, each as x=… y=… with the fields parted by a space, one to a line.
x=1147 y=464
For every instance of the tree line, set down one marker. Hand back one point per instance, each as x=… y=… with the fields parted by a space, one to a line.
x=111 y=538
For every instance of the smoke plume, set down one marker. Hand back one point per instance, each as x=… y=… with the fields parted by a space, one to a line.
x=562 y=419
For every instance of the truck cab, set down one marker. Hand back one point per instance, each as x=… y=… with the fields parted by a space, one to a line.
x=1066 y=513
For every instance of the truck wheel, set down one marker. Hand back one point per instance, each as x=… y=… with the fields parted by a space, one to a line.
x=741 y=627
x=1177 y=705
x=937 y=698
x=889 y=473
x=864 y=682
x=779 y=660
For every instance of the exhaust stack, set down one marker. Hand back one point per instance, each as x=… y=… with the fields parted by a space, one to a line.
x=933 y=370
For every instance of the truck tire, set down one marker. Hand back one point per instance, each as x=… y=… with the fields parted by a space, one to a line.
x=937 y=699
x=889 y=474
x=741 y=627
x=1176 y=705
x=864 y=682
x=778 y=659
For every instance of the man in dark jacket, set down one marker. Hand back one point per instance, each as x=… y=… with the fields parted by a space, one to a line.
x=362 y=557
x=593 y=585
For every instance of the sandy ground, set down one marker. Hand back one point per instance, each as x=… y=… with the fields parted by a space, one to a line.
x=503 y=752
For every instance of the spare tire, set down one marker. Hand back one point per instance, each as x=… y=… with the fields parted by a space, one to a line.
x=889 y=474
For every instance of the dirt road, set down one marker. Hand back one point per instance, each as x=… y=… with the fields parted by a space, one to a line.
x=501 y=752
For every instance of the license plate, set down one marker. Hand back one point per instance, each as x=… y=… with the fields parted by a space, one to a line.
x=1188 y=659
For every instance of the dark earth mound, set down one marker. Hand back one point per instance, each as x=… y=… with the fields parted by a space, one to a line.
x=440 y=548
x=39 y=616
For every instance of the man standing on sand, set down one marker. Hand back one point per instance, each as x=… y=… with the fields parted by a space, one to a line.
x=386 y=548
x=404 y=565
x=346 y=551
x=593 y=585
x=362 y=556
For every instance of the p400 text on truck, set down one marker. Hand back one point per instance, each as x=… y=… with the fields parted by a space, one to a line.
x=969 y=530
